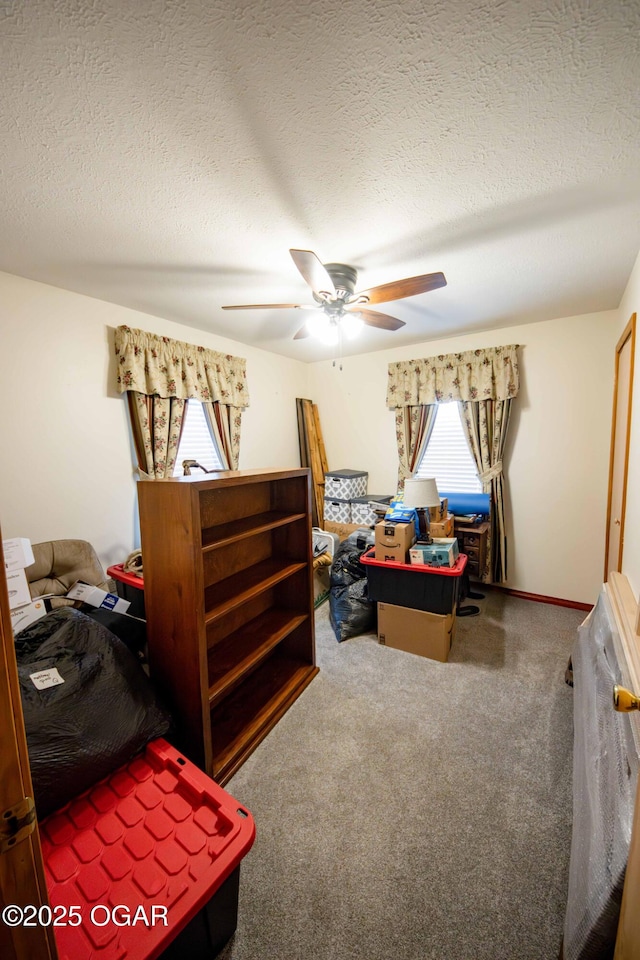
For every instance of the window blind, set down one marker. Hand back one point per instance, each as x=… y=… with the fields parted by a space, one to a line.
x=196 y=442
x=447 y=457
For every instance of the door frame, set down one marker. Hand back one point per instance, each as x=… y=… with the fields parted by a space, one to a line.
x=22 y=878
x=628 y=332
x=624 y=609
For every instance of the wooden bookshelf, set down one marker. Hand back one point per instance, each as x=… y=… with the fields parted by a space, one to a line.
x=228 y=582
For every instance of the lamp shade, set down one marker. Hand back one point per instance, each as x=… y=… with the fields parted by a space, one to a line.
x=421 y=493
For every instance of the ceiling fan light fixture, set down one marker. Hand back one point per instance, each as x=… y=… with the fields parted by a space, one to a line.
x=352 y=325
x=323 y=328
x=333 y=287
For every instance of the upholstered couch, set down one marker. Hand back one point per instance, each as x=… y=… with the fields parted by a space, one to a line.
x=59 y=563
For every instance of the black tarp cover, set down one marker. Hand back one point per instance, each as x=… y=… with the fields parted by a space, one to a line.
x=102 y=713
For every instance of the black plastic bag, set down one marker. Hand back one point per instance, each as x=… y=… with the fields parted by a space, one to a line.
x=130 y=630
x=346 y=567
x=98 y=713
x=350 y=610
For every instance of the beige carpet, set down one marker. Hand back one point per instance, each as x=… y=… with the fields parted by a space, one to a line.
x=408 y=809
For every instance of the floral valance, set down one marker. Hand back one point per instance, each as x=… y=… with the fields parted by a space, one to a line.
x=489 y=374
x=159 y=366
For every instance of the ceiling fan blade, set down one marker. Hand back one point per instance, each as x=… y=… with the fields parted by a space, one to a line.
x=302 y=333
x=375 y=319
x=314 y=273
x=267 y=306
x=399 y=289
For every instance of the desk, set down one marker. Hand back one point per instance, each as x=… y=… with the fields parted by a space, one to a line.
x=472 y=541
x=420 y=587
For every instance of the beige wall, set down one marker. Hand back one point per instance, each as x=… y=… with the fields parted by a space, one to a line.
x=630 y=304
x=69 y=471
x=557 y=454
x=64 y=433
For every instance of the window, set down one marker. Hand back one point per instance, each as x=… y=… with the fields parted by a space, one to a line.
x=447 y=457
x=196 y=442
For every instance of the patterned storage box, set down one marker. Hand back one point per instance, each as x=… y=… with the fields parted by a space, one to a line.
x=361 y=512
x=337 y=511
x=345 y=484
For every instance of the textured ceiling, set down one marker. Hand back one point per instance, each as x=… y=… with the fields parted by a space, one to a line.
x=166 y=155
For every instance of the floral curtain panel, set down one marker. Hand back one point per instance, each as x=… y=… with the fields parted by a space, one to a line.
x=485 y=427
x=489 y=374
x=159 y=366
x=224 y=424
x=156 y=423
x=484 y=382
x=159 y=375
x=414 y=426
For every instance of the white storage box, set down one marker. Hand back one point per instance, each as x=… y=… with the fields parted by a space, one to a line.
x=22 y=617
x=361 y=512
x=17 y=553
x=18 y=588
x=345 y=484
x=96 y=597
x=337 y=511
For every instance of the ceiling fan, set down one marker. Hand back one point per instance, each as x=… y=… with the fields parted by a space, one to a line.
x=341 y=307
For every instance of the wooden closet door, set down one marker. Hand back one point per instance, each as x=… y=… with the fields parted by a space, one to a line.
x=22 y=879
x=619 y=456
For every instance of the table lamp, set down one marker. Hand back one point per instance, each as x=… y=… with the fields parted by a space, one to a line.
x=421 y=494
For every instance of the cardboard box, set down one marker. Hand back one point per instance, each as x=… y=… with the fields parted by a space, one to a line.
x=416 y=631
x=23 y=617
x=97 y=597
x=17 y=553
x=320 y=585
x=449 y=542
x=393 y=540
x=442 y=528
x=439 y=514
x=441 y=552
x=342 y=530
x=18 y=588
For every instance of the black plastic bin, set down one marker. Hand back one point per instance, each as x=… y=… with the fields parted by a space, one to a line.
x=130 y=587
x=421 y=587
